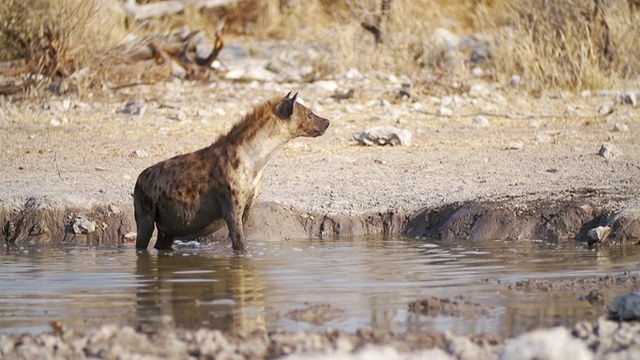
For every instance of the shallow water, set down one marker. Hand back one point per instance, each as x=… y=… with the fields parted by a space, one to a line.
x=371 y=280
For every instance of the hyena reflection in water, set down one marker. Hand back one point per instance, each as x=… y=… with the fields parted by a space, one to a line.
x=195 y=194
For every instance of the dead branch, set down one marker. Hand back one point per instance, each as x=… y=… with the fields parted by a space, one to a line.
x=133 y=10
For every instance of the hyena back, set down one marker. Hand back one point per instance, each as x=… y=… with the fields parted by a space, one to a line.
x=195 y=194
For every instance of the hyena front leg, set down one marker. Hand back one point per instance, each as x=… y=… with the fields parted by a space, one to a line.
x=233 y=216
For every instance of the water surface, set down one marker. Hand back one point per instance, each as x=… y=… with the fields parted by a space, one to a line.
x=371 y=280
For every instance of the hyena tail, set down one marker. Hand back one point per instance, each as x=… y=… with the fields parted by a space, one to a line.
x=144 y=214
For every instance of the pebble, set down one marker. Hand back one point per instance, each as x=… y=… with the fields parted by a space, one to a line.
x=605 y=109
x=480 y=121
x=599 y=233
x=630 y=97
x=139 y=154
x=515 y=80
x=384 y=135
x=478 y=90
x=620 y=127
x=443 y=111
x=477 y=72
x=515 y=145
x=609 y=151
x=625 y=307
x=134 y=107
x=55 y=122
x=83 y=225
x=571 y=111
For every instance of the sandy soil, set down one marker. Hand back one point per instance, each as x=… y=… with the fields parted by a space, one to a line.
x=81 y=153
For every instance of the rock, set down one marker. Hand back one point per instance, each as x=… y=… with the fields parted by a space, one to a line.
x=55 y=122
x=599 y=233
x=139 y=154
x=445 y=39
x=609 y=151
x=326 y=85
x=477 y=90
x=534 y=124
x=83 y=225
x=477 y=71
x=549 y=344
x=515 y=145
x=586 y=93
x=620 y=127
x=384 y=135
x=481 y=53
x=443 y=111
x=134 y=107
x=629 y=97
x=114 y=209
x=625 y=307
x=515 y=80
x=571 y=111
x=480 y=121
x=605 y=109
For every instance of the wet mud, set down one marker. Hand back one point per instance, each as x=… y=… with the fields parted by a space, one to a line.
x=567 y=216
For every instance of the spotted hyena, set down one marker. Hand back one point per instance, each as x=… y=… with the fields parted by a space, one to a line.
x=195 y=194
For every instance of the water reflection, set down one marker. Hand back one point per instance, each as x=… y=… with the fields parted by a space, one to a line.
x=372 y=280
x=176 y=290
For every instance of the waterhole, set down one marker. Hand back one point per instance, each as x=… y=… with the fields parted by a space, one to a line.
x=499 y=287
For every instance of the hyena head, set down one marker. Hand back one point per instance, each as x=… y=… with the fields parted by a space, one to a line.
x=302 y=121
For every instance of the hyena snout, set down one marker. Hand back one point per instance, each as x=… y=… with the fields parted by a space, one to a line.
x=316 y=126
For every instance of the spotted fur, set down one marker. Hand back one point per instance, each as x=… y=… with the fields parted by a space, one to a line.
x=195 y=194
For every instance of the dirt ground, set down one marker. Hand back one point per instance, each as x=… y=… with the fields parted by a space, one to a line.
x=533 y=170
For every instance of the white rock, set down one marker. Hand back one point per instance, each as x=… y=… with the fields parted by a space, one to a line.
x=444 y=38
x=478 y=90
x=384 y=135
x=585 y=93
x=443 y=111
x=139 y=154
x=571 y=111
x=515 y=145
x=55 y=122
x=620 y=127
x=82 y=225
x=417 y=107
x=326 y=85
x=515 y=80
x=235 y=74
x=609 y=151
x=480 y=121
x=599 y=233
x=477 y=71
x=605 y=109
x=549 y=344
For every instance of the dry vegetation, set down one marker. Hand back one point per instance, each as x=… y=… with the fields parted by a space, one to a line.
x=551 y=44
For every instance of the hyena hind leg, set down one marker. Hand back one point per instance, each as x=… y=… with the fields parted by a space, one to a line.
x=163 y=242
x=145 y=230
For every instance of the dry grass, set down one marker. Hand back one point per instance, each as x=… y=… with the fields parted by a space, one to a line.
x=551 y=44
x=55 y=38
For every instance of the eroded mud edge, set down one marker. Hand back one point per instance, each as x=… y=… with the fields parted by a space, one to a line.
x=567 y=216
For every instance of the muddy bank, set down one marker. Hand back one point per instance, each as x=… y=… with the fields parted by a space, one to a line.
x=602 y=339
x=567 y=216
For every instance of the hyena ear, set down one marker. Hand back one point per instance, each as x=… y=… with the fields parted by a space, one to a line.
x=285 y=108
